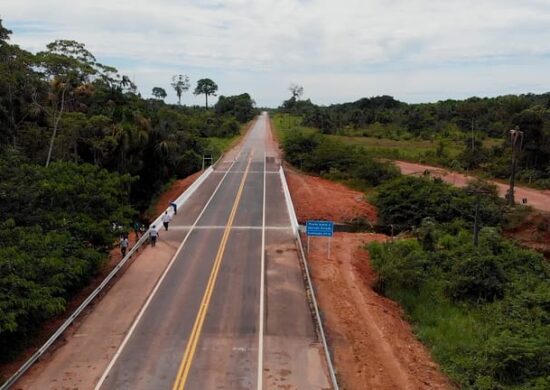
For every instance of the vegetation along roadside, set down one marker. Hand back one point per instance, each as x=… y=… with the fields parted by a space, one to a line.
x=82 y=151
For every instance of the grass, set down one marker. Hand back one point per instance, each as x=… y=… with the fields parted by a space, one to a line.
x=405 y=150
x=415 y=150
x=223 y=144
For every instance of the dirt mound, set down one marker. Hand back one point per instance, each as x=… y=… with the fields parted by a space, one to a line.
x=317 y=198
x=533 y=232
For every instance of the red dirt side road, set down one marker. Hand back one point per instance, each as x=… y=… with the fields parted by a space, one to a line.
x=374 y=347
x=538 y=199
x=318 y=198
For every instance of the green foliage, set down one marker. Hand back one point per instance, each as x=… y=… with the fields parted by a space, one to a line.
x=110 y=152
x=206 y=87
x=241 y=107
x=56 y=237
x=484 y=311
x=321 y=155
x=408 y=200
x=181 y=84
x=159 y=93
x=468 y=122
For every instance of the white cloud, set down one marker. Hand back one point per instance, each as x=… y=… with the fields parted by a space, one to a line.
x=413 y=49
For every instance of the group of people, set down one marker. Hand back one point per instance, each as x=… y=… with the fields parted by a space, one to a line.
x=139 y=229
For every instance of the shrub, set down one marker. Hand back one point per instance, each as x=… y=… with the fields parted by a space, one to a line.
x=407 y=200
x=318 y=154
x=484 y=311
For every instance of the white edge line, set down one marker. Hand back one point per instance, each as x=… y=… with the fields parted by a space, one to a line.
x=262 y=287
x=310 y=283
x=157 y=286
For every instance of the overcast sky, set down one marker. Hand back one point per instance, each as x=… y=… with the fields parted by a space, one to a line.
x=415 y=50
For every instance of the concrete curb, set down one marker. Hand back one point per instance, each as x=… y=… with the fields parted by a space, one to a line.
x=296 y=231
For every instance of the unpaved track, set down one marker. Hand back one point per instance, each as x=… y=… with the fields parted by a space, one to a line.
x=374 y=347
x=538 y=199
x=226 y=351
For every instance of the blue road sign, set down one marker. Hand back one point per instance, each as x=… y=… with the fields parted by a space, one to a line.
x=320 y=228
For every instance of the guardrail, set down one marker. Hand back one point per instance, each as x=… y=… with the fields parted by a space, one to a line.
x=157 y=222
x=296 y=231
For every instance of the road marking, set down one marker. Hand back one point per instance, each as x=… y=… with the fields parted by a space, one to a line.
x=249 y=172
x=262 y=287
x=157 y=286
x=213 y=227
x=185 y=366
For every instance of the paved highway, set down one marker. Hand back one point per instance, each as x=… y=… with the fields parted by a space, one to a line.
x=230 y=311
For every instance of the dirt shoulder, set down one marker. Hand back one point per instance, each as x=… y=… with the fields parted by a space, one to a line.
x=373 y=346
x=318 y=198
x=538 y=199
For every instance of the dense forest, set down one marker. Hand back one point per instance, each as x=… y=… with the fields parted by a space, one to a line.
x=467 y=122
x=80 y=149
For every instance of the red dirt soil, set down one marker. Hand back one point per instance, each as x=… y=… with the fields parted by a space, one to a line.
x=50 y=326
x=318 y=198
x=533 y=232
x=373 y=346
x=538 y=199
x=163 y=201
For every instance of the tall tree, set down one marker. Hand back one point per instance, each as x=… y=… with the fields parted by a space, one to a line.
x=207 y=88
x=66 y=66
x=18 y=80
x=159 y=93
x=180 y=83
x=296 y=90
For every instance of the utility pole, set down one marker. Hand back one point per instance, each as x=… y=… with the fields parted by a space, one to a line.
x=516 y=141
x=473 y=136
x=476 y=228
x=477 y=192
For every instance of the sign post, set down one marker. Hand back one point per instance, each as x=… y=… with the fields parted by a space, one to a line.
x=320 y=229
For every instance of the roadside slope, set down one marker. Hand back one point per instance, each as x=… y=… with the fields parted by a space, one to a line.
x=373 y=346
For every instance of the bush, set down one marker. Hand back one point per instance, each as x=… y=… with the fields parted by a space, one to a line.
x=477 y=278
x=484 y=311
x=408 y=200
x=56 y=238
x=318 y=154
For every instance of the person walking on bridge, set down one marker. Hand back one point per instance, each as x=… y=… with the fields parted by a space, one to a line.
x=153 y=235
x=123 y=245
x=166 y=218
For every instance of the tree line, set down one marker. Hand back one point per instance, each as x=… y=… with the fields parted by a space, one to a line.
x=80 y=149
x=465 y=121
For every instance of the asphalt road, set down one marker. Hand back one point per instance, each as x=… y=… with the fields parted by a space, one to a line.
x=231 y=311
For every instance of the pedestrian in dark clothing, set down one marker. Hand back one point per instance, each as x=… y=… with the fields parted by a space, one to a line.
x=123 y=245
x=175 y=207
x=166 y=218
x=137 y=225
x=153 y=235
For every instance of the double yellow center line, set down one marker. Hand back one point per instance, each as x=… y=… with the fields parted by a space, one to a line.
x=185 y=365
